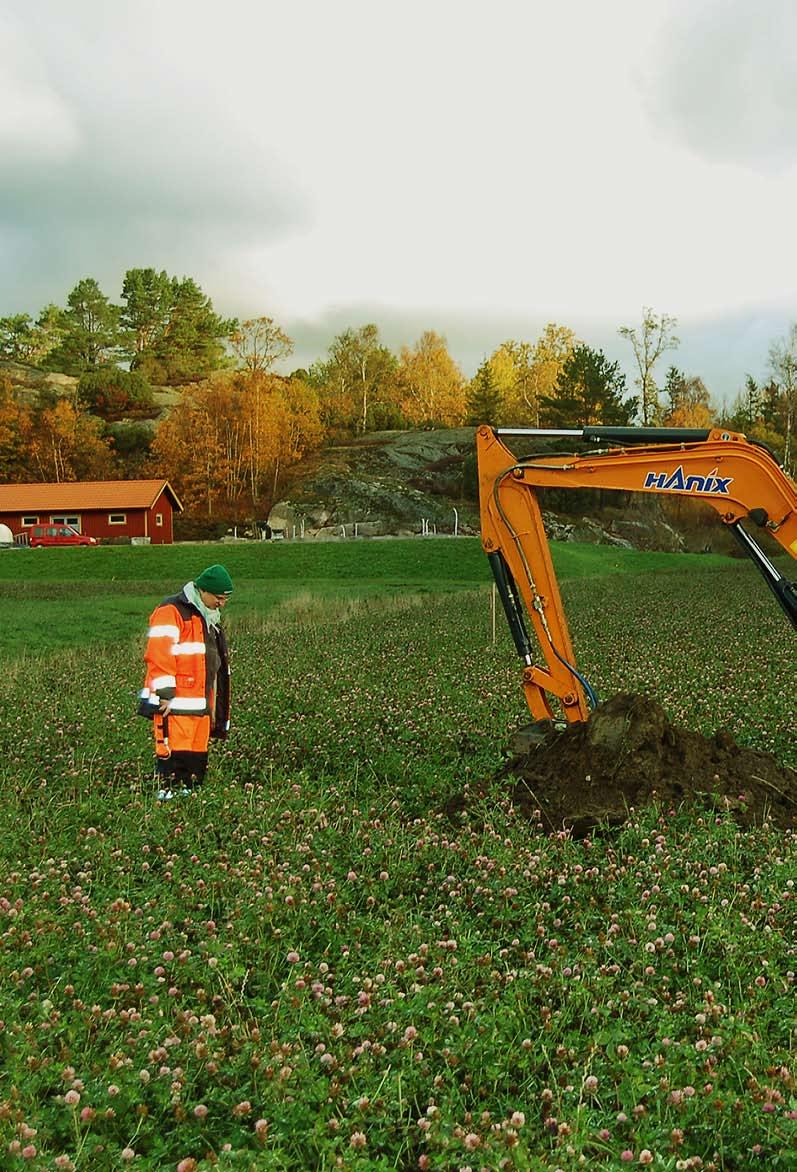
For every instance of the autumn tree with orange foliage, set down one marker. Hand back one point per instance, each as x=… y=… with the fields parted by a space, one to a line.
x=68 y=444
x=689 y=401
x=53 y=441
x=225 y=446
x=525 y=374
x=15 y=428
x=432 y=388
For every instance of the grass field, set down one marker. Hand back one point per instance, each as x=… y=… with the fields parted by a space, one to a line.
x=309 y=965
x=63 y=597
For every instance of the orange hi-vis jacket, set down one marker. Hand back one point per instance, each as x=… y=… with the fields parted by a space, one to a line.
x=179 y=646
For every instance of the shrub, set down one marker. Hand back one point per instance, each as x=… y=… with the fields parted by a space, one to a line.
x=198 y=529
x=116 y=394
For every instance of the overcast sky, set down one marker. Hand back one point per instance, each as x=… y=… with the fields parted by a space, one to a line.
x=476 y=169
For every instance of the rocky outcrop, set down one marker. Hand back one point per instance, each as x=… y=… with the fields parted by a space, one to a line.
x=387 y=483
x=28 y=381
x=414 y=482
x=652 y=532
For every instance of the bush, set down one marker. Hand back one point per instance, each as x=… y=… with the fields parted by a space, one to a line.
x=116 y=394
x=188 y=528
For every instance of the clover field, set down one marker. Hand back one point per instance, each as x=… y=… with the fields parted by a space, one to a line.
x=314 y=963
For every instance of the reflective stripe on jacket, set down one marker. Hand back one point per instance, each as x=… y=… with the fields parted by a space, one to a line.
x=178 y=648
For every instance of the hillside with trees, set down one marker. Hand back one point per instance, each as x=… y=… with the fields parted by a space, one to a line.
x=159 y=384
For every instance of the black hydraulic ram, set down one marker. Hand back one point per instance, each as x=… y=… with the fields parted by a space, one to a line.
x=619 y=435
x=784 y=590
x=513 y=607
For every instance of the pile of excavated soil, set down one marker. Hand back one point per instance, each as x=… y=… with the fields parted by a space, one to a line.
x=628 y=755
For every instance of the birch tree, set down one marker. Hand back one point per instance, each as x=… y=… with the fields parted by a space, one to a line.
x=649 y=341
x=783 y=364
x=431 y=384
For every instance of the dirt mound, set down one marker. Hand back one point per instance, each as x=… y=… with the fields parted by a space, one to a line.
x=628 y=754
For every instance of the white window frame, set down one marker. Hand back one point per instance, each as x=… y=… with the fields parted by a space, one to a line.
x=117 y=518
x=71 y=519
x=159 y=520
x=30 y=519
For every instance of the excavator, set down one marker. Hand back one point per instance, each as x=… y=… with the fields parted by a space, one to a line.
x=739 y=478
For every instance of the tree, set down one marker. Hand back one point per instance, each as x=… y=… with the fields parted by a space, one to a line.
x=184 y=345
x=357 y=383
x=303 y=415
x=551 y=351
x=746 y=409
x=771 y=403
x=783 y=365
x=189 y=448
x=288 y=422
x=507 y=365
x=649 y=342
x=23 y=340
x=525 y=374
x=589 y=390
x=260 y=344
x=47 y=334
x=225 y=445
x=66 y=444
x=484 y=400
x=757 y=412
x=131 y=446
x=15 y=431
x=89 y=331
x=148 y=299
x=689 y=401
x=16 y=337
x=432 y=386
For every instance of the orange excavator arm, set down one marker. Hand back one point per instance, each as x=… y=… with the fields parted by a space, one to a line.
x=741 y=480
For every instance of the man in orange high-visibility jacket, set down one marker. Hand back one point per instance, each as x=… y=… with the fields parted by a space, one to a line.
x=186 y=692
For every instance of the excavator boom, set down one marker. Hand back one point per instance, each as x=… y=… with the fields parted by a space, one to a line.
x=741 y=481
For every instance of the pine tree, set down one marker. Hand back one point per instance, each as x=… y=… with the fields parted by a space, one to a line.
x=589 y=391
x=175 y=336
x=90 y=331
x=484 y=398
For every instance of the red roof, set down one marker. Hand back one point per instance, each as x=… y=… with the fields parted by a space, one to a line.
x=84 y=494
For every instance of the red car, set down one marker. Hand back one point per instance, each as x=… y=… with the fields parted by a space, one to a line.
x=39 y=536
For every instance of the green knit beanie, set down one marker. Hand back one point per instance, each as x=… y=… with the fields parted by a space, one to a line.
x=215 y=580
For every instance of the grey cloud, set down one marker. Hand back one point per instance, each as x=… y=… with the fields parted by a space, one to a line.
x=134 y=164
x=724 y=81
x=471 y=337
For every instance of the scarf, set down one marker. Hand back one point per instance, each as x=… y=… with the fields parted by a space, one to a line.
x=211 y=617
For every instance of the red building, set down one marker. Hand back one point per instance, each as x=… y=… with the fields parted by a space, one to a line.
x=140 y=509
